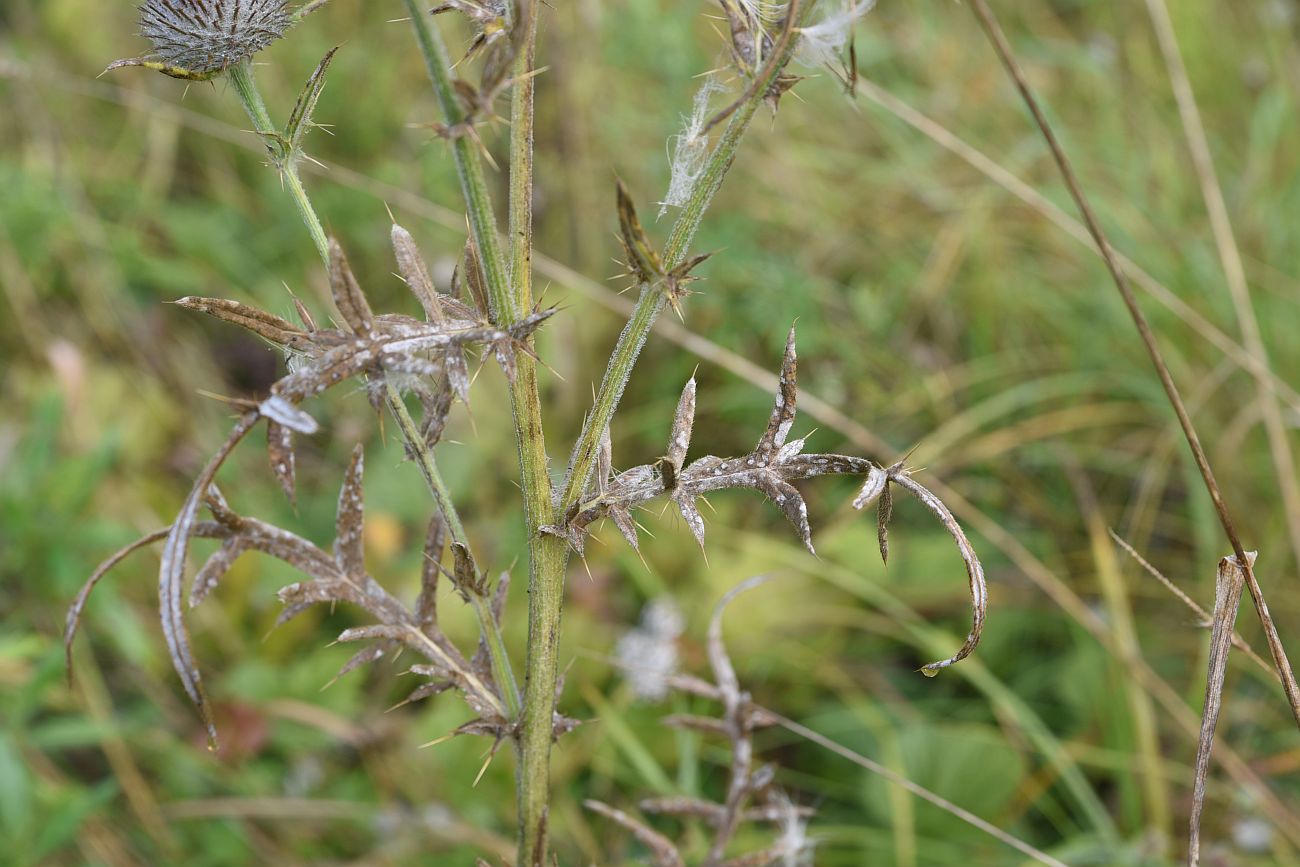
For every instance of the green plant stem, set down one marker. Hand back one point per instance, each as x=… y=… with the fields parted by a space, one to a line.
x=547 y=554
x=241 y=76
x=469 y=167
x=499 y=658
x=653 y=298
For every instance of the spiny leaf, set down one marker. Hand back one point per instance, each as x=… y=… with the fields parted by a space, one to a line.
x=348 y=297
x=426 y=605
x=474 y=280
x=641 y=256
x=348 y=543
x=364 y=656
x=279 y=331
x=465 y=572
x=216 y=568
x=791 y=502
x=679 y=441
x=300 y=119
x=694 y=520
x=778 y=428
x=416 y=274
x=280 y=452
x=626 y=525
x=884 y=513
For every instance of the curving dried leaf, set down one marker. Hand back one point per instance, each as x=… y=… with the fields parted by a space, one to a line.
x=171 y=575
x=974 y=570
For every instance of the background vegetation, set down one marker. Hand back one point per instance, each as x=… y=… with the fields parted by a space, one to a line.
x=936 y=308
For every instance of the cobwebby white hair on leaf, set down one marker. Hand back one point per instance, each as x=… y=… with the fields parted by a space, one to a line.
x=823 y=42
x=690 y=148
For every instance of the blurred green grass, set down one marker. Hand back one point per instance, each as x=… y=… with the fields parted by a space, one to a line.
x=933 y=308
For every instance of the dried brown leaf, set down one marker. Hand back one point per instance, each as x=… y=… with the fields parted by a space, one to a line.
x=280 y=453
x=216 y=568
x=783 y=412
x=348 y=297
x=974 y=570
x=279 y=331
x=679 y=440
x=416 y=274
x=426 y=605
x=171 y=577
x=349 y=551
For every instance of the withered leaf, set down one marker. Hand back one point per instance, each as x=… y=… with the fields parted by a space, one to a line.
x=364 y=656
x=662 y=850
x=473 y=271
x=171 y=577
x=348 y=297
x=679 y=441
x=465 y=572
x=426 y=604
x=416 y=274
x=974 y=570
x=783 y=412
x=215 y=568
x=350 y=522
x=884 y=514
x=626 y=525
x=694 y=520
x=279 y=331
x=791 y=502
x=280 y=452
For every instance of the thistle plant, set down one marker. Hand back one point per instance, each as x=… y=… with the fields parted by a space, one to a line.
x=490 y=314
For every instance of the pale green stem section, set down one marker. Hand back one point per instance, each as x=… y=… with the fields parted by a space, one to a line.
x=653 y=297
x=241 y=76
x=547 y=554
x=469 y=167
x=521 y=163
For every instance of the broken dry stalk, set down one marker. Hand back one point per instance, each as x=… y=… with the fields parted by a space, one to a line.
x=988 y=21
x=1227 y=599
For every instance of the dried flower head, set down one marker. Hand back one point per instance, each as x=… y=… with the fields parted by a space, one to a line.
x=197 y=39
